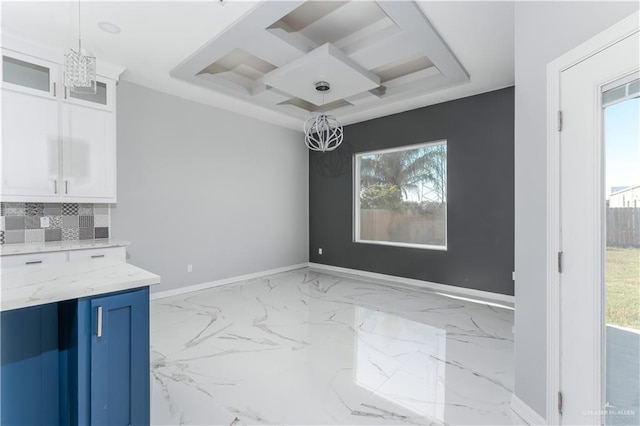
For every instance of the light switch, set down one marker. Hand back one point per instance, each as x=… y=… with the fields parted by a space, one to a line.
x=44 y=222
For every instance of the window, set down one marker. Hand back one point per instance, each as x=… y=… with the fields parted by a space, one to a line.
x=401 y=196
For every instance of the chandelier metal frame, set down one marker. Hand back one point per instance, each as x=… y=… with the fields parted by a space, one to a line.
x=323 y=132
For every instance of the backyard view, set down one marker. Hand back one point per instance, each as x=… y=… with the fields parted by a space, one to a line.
x=622 y=257
x=622 y=156
x=403 y=195
x=623 y=287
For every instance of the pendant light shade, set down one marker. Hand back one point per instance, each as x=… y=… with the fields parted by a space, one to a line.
x=79 y=71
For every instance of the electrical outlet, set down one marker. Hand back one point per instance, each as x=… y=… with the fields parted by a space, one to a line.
x=320 y=250
x=189 y=268
x=44 y=222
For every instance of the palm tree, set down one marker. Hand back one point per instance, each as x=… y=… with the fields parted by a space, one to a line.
x=410 y=170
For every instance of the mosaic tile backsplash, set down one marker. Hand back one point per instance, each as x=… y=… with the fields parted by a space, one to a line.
x=20 y=222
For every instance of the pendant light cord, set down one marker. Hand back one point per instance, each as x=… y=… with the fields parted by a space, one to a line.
x=79 y=31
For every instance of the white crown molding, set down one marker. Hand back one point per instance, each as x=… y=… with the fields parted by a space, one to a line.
x=20 y=44
x=17 y=43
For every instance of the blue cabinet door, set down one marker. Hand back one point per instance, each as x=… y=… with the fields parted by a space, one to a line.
x=109 y=366
x=116 y=358
x=29 y=366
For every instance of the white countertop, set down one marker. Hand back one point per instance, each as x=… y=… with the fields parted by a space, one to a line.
x=27 y=248
x=34 y=285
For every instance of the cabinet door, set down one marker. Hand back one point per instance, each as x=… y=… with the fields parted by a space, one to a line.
x=88 y=154
x=30 y=146
x=102 y=99
x=26 y=74
x=29 y=371
x=120 y=359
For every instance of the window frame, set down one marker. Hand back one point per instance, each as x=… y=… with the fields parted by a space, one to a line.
x=356 y=198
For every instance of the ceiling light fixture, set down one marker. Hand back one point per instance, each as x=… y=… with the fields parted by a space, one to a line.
x=322 y=132
x=80 y=68
x=109 y=27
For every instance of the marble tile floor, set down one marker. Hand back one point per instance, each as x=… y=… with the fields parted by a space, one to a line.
x=308 y=348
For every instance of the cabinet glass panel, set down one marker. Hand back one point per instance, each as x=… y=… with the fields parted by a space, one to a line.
x=100 y=97
x=25 y=74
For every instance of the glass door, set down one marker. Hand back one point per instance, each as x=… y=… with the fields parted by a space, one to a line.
x=621 y=117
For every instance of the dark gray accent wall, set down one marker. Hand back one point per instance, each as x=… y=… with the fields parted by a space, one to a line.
x=480 y=143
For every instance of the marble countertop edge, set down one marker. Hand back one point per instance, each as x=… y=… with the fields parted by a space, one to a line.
x=28 y=286
x=52 y=246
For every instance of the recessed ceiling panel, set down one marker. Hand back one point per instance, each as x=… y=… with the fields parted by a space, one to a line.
x=306 y=14
x=401 y=68
x=326 y=63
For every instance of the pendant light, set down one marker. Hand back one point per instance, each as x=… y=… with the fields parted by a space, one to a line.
x=80 y=68
x=322 y=132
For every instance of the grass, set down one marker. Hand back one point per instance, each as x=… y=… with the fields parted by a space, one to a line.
x=623 y=287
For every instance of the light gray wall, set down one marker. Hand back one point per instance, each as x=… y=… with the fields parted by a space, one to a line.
x=199 y=185
x=543 y=32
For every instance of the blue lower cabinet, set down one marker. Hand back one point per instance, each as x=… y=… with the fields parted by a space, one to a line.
x=29 y=366
x=106 y=361
x=79 y=362
x=120 y=359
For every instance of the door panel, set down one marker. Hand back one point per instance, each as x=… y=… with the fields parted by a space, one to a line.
x=582 y=217
x=88 y=152
x=120 y=359
x=30 y=145
x=29 y=371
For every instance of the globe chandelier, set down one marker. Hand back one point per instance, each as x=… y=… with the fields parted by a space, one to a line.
x=79 y=68
x=322 y=132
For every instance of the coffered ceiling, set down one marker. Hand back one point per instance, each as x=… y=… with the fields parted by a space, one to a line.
x=263 y=59
x=371 y=52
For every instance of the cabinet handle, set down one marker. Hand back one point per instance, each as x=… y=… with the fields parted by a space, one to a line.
x=99 y=331
x=66 y=186
x=54 y=89
x=55 y=186
x=33 y=262
x=95 y=256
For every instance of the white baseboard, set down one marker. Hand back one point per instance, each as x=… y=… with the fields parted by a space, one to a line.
x=224 y=281
x=443 y=288
x=527 y=413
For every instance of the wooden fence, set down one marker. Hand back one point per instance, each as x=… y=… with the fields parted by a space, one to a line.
x=623 y=227
x=395 y=226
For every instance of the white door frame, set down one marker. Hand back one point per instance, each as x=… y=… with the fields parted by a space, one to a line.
x=591 y=47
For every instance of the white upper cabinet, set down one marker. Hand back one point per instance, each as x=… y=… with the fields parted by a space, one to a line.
x=88 y=152
x=26 y=74
x=57 y=145
x=30 y=146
